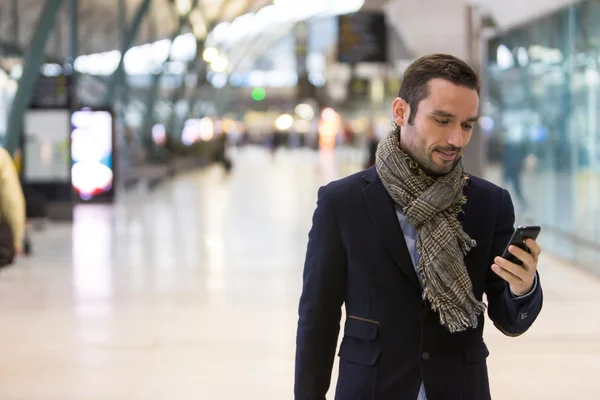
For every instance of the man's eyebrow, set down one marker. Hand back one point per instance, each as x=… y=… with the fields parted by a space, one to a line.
x=445 y=114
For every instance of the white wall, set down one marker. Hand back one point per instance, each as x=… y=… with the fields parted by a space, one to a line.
x=432 y=26
x=509 y=13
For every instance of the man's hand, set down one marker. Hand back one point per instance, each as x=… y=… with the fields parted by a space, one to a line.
x=520 y=278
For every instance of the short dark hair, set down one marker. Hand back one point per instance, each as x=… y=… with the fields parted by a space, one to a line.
x=417 y=76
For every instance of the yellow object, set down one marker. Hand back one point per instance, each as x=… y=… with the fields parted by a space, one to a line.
x=18 y=160
x=12 y=201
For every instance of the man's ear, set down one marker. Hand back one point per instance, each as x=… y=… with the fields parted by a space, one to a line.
x=400 y=111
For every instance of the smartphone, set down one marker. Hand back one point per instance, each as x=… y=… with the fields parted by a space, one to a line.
x=518 y=238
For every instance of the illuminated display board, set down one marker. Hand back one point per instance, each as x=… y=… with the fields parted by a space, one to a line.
x=92 y=154
x=362 y=37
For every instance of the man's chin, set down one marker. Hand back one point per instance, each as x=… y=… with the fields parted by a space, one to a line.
x=435 y=169
x=441 y=171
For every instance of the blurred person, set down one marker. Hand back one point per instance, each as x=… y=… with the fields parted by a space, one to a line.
x=221 y=153
x=514 y=163
x=302 y=139
x=277 y=140
x=245 y=137
x=12 y=210
x=372 y=143
x=347 y=134
x=410 y=246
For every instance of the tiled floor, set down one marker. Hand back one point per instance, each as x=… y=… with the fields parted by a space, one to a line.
x=191 y=293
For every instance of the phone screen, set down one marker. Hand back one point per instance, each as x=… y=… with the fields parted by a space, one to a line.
x=518 y=238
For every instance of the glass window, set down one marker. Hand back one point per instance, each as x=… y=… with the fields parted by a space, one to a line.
x=543 y=85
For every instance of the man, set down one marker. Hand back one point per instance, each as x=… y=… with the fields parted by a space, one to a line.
x=410 y=246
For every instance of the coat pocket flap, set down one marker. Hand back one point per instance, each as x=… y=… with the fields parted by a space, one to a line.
x=359 y=351
x=360 y=328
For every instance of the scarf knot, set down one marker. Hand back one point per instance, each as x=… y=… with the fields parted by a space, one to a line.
x=419 y=212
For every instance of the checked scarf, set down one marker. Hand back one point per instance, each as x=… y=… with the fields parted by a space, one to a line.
x=431 y=205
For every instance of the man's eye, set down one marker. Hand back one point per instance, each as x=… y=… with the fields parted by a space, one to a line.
x=443 y=121
x=467 y=127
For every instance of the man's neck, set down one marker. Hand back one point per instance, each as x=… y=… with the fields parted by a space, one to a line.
x=426 y=171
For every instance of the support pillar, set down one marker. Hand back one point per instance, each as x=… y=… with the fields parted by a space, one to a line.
x=198 y=64
x=31 y=71
x=125 y=46
x=180 y=92
x=73 y=47
x=74 y=25
x=475 y=152
x=153 y=92
x=123 y=36
x=16 y=22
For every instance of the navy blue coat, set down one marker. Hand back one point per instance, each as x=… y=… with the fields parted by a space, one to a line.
x=392 y=341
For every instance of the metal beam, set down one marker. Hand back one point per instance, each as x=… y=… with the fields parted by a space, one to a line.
x=123 y=36
x=154 y=86
x=74 y=22
x=58 y=36
x=125 y=46
x=184 y=21
x=16 y=22
x=31 y=71
x=11 y=49
x=74 y=48
x=202 y=67
x=179 y=93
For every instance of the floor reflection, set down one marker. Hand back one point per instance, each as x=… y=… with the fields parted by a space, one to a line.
x=92 y=247
x=177 y=293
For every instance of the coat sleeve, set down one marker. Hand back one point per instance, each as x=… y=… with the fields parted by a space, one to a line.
x=512 y=316
x=323 y=293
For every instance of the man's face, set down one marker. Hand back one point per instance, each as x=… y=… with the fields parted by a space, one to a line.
x=441 y=128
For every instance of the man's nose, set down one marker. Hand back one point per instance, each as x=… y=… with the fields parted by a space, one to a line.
x=456 y=137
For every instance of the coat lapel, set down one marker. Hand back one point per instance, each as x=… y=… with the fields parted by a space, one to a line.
x=383 y=212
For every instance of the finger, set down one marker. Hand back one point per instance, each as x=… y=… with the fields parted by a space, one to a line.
x=535 y=248
x=527 y=259
x=514 y=269
x=507 y=276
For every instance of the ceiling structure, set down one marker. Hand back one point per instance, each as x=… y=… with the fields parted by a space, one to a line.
x=424 y=26
x=99 y=29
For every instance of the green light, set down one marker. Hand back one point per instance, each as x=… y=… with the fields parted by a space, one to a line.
x=259 y=94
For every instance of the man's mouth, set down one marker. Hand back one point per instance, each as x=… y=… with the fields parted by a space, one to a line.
x=447 y=155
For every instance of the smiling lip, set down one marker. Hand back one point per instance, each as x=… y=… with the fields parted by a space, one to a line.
x=446 y=156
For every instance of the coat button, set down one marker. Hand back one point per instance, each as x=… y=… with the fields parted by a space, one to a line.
x=425 y=356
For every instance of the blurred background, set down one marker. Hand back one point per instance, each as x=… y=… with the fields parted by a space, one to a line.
x=170 y=152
